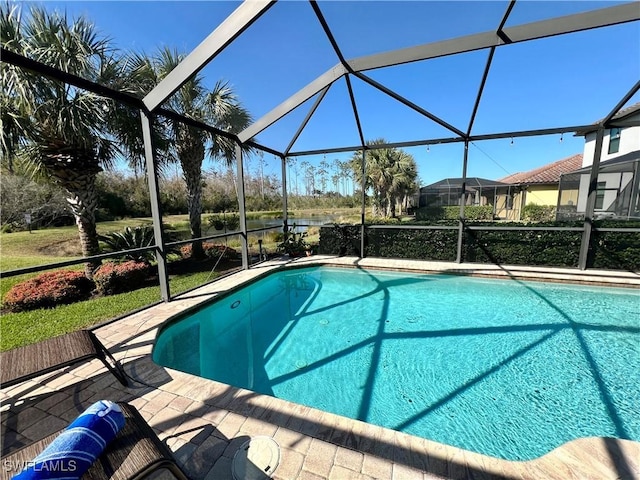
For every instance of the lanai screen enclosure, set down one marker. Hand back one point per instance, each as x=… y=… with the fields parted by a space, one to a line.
x=346 y=71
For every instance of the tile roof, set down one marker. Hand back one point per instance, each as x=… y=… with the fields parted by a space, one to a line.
x=549 y=173
x=470 y=182
x=622 y=113
x=627 y=111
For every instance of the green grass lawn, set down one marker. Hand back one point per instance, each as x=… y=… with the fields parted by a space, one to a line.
x=52 y=245
x=23 y=328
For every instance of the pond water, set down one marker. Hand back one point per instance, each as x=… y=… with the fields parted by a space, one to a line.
x=277 y=222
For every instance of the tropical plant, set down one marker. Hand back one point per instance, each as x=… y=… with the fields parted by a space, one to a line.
x=227 y=221
x=390 y=173
x=294 y=242
x=57 y=130
x=185 y=144
x=129 y=239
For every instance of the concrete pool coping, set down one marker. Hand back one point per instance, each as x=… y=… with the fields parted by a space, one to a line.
x=204 y=422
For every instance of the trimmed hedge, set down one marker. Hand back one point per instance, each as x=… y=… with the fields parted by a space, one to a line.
x=340 y=240
x=48 y=290
x=521 y=247
x=471 y=212
x=613 y=250
x=437 y=245
x=112 y=278
x=608 y=250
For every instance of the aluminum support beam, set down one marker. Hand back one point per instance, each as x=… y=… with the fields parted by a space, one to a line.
x=476 y=105
x=621 y=103
x=364 y=153
x=415 y=143
x=259 y=146
x=327 y=31
x=627 y=12
x=285 y=197
x=293 y=102
x=409 y=103
x=591 y=201
x=490 y=136
x=236 y=23
x=462 y=202
x=532 y=133
x=193 y=123
x=363 y=186
x=487 y=67
x=156 y=212
x=242 y=211
x=503 y=22
x=25 y=63
x=307 y=118
x=635 y=188
x=12 y=58
x=352 y=98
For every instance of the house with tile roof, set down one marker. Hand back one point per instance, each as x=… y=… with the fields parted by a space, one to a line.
x=618 y=182
x=478 y=192
x=540 y=186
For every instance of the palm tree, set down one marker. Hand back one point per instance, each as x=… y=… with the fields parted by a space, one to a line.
x=55 y=129
x=405 y=173
x=185 y=144
x=389 y=173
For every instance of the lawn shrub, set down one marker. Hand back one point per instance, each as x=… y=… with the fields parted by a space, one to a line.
x=211 y=250
x=477 y=212
x=112 y=278
x=471 y=212
x=48 y=290
x=539 y=213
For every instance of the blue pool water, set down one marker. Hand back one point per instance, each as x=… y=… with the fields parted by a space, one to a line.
x=501 y=367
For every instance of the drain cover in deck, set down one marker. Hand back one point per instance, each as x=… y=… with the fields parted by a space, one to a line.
x=256 y=459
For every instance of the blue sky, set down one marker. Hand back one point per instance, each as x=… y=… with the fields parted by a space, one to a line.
x=566 y=80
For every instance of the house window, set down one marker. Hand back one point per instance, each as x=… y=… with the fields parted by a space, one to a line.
x=614 y=140
x=600 y=195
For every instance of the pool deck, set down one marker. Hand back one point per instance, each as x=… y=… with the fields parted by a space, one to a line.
x=204 y=422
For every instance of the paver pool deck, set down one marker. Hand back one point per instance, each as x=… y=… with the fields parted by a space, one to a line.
x=205 y=422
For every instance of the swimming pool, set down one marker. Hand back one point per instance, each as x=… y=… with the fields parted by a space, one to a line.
x=505 y=368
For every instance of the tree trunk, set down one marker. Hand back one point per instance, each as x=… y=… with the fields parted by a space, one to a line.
x=193 y=178
x=191 y=155
x=392 y=207
x=81 y=188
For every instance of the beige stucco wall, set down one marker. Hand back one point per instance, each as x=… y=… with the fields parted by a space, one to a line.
x=542 y=195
